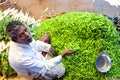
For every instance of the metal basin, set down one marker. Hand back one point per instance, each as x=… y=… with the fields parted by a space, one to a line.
x=103 y=62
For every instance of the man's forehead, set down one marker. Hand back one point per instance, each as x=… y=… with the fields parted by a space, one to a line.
x=20 y=29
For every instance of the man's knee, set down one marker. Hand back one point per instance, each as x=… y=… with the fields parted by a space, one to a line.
x=60 y=71
x=45 y=38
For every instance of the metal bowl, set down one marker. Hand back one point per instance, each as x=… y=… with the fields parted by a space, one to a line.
x=103 y=62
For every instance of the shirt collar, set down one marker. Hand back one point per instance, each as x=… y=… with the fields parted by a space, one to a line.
x=22 y=45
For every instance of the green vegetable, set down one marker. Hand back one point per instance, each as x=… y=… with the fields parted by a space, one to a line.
x=89 y=33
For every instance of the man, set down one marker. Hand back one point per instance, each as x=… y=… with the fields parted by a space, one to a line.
x=28 y=57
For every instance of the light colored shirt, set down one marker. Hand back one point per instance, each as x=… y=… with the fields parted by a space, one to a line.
x=27 y=59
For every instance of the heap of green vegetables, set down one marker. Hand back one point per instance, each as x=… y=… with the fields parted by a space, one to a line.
x=90 y=34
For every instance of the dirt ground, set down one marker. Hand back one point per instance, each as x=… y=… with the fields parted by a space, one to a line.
x=12 y=78
x=42 y=9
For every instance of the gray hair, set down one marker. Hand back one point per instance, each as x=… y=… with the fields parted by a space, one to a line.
x=12 y=27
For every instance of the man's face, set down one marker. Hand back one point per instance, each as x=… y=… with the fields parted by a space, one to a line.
x=23 y=35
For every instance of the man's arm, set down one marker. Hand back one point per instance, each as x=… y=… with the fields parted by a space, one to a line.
x=68 y=52
x=53 y=51
x=40 y=67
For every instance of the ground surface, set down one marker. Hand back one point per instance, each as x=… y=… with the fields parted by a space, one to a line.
x=42 y=9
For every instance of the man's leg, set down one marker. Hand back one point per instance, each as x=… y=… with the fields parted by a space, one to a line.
x=55 y=73
x=45 y=38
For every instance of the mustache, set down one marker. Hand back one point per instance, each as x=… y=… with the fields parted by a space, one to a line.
x=29 y=38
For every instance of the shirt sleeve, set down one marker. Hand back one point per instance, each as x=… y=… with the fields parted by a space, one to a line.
x=51 y=63
x=42 y=46
x=34 y=66
x=37 y=67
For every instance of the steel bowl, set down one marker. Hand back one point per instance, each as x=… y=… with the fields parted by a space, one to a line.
x=103 y=62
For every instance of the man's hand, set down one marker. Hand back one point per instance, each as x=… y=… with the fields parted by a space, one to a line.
x=68 y=52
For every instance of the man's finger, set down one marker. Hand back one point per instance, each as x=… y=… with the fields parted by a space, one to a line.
x=74 y=51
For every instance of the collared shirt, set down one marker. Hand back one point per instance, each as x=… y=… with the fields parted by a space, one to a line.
x=27 y=59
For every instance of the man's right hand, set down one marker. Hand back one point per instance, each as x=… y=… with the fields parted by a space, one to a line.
x=68 y=52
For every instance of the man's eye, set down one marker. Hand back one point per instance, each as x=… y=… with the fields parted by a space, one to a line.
x=26 y=30
x=21 y=35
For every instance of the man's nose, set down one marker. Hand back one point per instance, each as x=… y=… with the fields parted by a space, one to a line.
x=27 y=34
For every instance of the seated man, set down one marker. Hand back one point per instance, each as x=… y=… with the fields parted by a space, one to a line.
x=28 y=57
